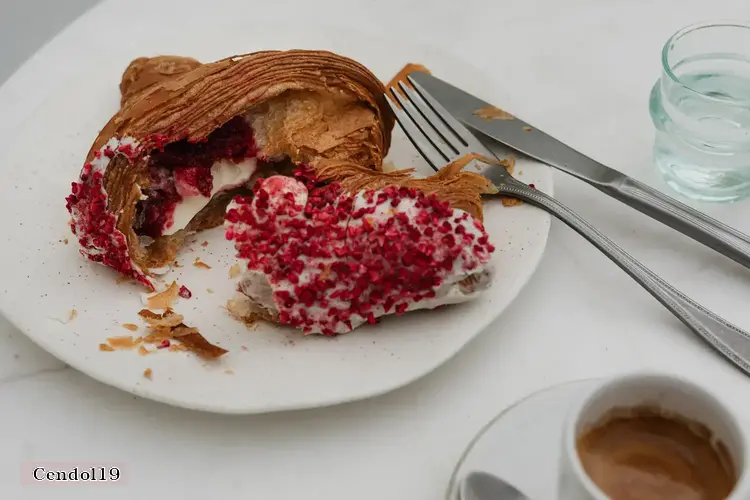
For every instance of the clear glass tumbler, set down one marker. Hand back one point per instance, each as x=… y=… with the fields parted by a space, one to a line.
x=701 y=109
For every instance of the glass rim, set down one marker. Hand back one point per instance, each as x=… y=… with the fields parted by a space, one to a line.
x=689 y=29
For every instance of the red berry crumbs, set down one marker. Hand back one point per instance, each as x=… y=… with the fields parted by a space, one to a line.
x=185 y=292
x=94 y=225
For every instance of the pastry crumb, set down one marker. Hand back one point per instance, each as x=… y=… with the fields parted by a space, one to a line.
x=239 y=310
x=64 y=241
x=124 y=342
x=235 y=270
x=143 y=351
x=204 y=244
x=326 y=272
x=402 y=75
x=169 y=326
x=130 y=326
x=148 y=373
x=527 y=129
x=510 y=202
x=490 y=113
x=106 y=348
x=208 y=290
x=199 y=263
x=162 y=299
x=176 y=264
x=229 y=372
x=169 y=319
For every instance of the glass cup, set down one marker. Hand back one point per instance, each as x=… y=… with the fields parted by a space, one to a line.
x=701 y=109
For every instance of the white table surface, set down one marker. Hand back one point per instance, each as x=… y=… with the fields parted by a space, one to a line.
x=579 y=69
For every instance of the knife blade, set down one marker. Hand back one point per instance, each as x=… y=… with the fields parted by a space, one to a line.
x=514 y=132
x=481 y=116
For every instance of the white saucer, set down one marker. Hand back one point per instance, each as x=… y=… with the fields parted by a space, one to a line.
x=522 y=443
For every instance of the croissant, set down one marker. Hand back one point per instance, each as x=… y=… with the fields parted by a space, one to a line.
x=190 y=136
x=340 y=245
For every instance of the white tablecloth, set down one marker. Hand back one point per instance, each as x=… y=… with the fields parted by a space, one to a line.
x=578 y=69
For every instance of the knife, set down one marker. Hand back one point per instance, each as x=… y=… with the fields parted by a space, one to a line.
x=516 y=134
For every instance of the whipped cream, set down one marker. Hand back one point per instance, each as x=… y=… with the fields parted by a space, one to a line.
x=226 y=175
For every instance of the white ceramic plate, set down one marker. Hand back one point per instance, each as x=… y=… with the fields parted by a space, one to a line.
x=522 y=445
x=270 y=368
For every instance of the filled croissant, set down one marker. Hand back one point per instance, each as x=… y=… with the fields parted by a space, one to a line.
x=191 y=136
x=340 y=245
x=286 y=149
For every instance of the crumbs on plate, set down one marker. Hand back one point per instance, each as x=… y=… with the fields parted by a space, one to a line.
x=199 y=263
x=235 y=270
x=167 y=332
x=161 y=299
x=169 y=327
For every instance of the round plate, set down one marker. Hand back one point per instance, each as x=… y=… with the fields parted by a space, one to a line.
x=268 y=368
x=522 y=444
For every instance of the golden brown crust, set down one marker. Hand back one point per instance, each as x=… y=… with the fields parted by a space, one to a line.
x=407 y=70
x=401 y=77
x=461 y=189
x=307 y=105
x=146 y=71
x=192 y=104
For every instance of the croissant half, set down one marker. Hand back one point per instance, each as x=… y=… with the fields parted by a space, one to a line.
x=286 y=149
x=190 y=136
x=336 y=247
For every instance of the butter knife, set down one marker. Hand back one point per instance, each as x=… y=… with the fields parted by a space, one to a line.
x=524 y=138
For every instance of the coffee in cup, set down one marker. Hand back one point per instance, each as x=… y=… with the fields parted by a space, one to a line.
x=647 y=453
x=652 y=437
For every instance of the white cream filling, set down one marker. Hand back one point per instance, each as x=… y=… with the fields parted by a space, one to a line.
x=226 y=175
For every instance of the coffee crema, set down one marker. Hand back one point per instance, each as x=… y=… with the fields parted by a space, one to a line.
x=648 y=454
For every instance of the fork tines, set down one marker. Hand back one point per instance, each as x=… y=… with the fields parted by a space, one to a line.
x=436 y=134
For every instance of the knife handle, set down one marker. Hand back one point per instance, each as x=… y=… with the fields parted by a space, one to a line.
x=729 y=340
x=702 y=228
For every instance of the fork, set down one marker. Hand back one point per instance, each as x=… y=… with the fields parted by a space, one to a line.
x=441 y=139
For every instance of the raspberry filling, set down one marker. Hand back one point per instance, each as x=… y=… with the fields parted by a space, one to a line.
x=183 y=169
x=334 y=261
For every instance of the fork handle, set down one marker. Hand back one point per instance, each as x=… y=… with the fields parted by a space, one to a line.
x=702 y=228
x=723 y=336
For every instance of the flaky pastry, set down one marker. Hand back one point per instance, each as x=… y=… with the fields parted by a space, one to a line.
x=339 y=246
x=189 y=136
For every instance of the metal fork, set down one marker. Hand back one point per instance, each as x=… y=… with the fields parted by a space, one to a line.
x=441 y=139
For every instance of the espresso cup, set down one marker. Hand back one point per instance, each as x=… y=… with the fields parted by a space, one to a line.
x=670 y=400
